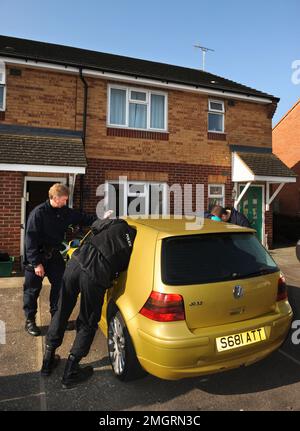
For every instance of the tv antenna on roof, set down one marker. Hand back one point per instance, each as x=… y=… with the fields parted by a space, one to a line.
x=204 y=51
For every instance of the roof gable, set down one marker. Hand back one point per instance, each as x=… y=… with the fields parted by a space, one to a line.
x=287 y=114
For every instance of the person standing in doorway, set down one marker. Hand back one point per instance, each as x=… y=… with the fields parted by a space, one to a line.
x=45 y=231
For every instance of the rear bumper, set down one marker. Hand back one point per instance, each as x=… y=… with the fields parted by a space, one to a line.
x=171 y=351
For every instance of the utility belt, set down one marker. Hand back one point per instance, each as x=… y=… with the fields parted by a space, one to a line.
x=47 y=251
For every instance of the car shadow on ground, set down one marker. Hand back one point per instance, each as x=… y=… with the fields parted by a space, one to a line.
x=103 y=392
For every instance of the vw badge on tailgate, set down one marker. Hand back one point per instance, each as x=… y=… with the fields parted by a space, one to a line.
x=238 y=291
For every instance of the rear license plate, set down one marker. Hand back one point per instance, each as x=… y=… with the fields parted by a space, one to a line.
x=243 y=339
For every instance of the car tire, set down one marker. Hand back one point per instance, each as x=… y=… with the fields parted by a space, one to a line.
x=121 y=352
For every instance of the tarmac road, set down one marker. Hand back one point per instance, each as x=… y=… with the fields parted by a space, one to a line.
x=272 y=384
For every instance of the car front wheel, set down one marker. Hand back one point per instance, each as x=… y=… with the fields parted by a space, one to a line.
x=122 y=356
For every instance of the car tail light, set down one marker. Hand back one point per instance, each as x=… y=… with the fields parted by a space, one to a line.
x=282 y=289
x=164 y=307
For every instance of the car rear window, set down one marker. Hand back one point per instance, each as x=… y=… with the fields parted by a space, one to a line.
x=206 y=258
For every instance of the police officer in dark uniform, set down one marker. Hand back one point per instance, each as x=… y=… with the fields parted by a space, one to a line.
x=90 y=271
x=45 y=231
x=231 y=215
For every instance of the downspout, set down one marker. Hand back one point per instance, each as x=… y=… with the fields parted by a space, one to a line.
x=85 y=99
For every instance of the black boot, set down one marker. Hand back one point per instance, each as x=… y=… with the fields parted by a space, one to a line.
x=31 y=328
x=74 y=374
x=50 y=361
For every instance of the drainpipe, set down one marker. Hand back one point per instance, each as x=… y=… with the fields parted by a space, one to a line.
x=85 y=99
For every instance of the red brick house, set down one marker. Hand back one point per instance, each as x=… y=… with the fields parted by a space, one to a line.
x=286 y=145
x=87 y=118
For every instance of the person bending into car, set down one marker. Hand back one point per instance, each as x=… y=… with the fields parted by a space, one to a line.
x=231 y=215
x=215 y=214
x=45 y=231
x=93 y=266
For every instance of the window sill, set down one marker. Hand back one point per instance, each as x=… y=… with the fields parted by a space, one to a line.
x=216 y=136
x=140 y=134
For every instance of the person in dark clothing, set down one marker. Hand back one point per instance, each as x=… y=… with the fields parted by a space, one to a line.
x=45 y=231
x=91 y=270
x=235 y=217
x=216 y=213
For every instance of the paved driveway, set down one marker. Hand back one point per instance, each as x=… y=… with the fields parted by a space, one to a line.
x=272 y=384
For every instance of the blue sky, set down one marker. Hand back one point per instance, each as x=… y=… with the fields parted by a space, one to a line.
x=255 y=41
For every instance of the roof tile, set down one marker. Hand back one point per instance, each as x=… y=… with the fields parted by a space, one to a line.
x=41 y=150
x=266 y=164
x=77 y=57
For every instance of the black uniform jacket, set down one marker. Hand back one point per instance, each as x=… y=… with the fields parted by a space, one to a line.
x=46 y=227
x=106 y=251
x=238 y=218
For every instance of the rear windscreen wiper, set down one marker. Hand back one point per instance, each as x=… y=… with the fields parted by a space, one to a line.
x=261 y=271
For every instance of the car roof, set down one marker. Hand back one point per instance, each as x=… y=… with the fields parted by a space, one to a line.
x=171 y=226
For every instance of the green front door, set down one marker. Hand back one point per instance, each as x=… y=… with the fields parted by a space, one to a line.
x=251 y=207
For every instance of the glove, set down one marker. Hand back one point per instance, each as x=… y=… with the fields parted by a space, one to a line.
x=107 y=214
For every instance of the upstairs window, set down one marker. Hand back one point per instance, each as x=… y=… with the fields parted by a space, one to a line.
x=138 y=103
x=137 y=109
x=2 y=86
x=216 y=116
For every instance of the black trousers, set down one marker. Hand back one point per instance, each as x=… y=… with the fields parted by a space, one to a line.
x=54 y=270
x=76 y=281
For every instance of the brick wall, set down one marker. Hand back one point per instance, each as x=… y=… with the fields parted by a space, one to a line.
x=11 y=191
x=41 y=98
x=52 y=99
x=99 y=171
x=269 y=227
x=248 y=124
x=187 y=155
x=286 y=138
x=245 y=124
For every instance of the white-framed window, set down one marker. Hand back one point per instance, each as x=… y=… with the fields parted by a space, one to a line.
x=216 y=195
x=216 y=116
x=2 y=86
x=137 y=108
x=136 y=198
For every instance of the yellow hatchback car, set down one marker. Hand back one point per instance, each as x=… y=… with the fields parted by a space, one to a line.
x=194 y=302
